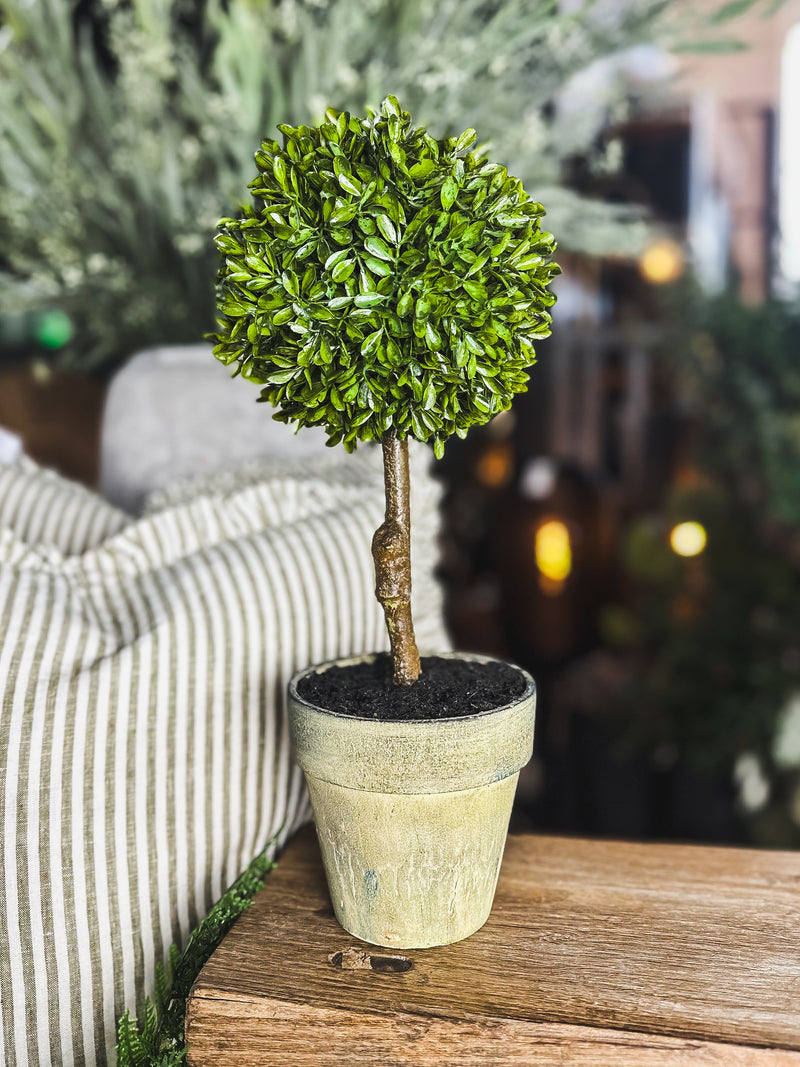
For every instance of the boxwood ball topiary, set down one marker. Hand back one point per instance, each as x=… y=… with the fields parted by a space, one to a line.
x=383 y=283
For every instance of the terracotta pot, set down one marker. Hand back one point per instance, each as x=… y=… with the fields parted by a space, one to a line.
x=412 y=815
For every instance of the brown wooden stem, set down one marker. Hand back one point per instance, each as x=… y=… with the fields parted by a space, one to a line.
x=391 y=550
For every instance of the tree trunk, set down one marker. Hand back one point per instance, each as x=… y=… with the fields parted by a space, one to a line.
x=391 y=550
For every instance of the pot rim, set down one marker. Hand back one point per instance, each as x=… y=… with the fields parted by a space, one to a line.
x=346 y=661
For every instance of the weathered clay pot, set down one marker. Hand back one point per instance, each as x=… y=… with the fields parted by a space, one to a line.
x=412 y=815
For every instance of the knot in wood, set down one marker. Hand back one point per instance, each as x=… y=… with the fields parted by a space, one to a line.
x=350 y=959
x=393 y=570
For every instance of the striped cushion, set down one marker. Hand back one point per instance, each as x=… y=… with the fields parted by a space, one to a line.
x=143 y=751
x=42 y=508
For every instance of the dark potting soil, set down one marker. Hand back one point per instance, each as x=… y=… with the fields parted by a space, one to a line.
x=446 y=689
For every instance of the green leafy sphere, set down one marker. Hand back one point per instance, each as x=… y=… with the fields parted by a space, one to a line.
x=383 y=283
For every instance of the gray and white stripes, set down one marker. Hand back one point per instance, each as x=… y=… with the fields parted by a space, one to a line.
x=143 y=752
x=42 y=508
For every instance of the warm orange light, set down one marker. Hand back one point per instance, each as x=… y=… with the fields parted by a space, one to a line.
x=553 y=552
x=687 y=538
x=662 y=261
x=494 y=468
x=551 y=586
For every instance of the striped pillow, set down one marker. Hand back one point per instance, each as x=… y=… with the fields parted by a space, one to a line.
x=42 y=508
x=143 y=751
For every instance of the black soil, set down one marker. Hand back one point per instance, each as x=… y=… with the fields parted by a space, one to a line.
x=447 y=689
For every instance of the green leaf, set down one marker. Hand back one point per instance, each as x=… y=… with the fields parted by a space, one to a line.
x=473 y=233
x=343 y=213
x=378 y=248
x=477 y=290
x=432 y=336
x=463 y=142
x=398 y=156
x=422 y=170
x=367 y=283
x=279 y=170
x=342 y=271
x=422 y=308
x=393 y=352
x=718 y=47
x=480 y=261
x=368 y=300
x=280 y=377
x=305 y=250
x=371 y=342
x=225 y=243
x=731 y=10
x=529 y=262
x=349 y=183
x=440 y=226
x=290 y=282
x=378 y=267
x=387 y=228
x=336 y=257
x=325 y=350
x=254 y=263
x=512 y=220
x=449 y=193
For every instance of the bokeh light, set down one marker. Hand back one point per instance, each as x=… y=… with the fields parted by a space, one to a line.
x=688 y=538
x=53 y=329
x=553 y=550
x=496 y=466
x=662 y=262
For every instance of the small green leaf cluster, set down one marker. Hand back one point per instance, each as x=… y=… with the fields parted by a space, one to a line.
x=158 y=1038
x=383 y=283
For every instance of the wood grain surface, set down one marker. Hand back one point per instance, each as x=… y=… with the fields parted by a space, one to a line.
x=595 y=953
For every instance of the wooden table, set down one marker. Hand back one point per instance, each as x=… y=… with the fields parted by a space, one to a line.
x=596 y=953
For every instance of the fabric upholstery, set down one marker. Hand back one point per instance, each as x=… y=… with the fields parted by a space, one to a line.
x=144 y=757
x=41 y=508
x=175 y=413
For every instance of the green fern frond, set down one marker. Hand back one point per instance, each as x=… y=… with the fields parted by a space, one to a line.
x=158 y=1039
x=205 y=938
x=131 y=1051
x=162 y=990
x=149 y=1030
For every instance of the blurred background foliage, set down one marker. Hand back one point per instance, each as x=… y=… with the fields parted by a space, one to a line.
x=127 y=128
x=711 y=642
x=740 y=380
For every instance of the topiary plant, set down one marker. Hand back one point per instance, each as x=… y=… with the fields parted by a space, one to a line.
x=384 y=285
